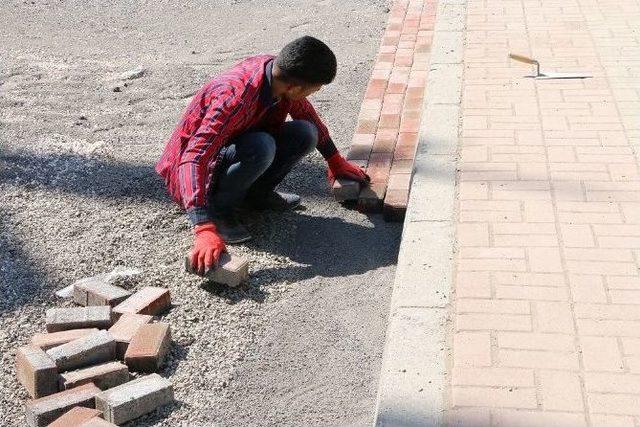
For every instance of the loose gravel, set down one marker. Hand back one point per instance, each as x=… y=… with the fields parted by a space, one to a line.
x=301 y=343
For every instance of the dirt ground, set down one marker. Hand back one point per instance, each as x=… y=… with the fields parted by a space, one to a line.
x=301 y=343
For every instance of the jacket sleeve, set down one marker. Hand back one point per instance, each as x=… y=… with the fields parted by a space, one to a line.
x=220 y=120
x=303 y=110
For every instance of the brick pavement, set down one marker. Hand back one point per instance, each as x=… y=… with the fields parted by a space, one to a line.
x=387 y=133
x=546 y=307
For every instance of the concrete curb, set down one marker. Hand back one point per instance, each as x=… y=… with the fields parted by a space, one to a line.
x=413 y=376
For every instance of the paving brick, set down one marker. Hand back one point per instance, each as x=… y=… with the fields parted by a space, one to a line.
x=494 y=397
x=345 y=189
x=492 y=377
x=631 y=345
x=465 y=417
x=520 y=418
x=469 y=234
x=395 y=205
x=90 y=350
x=621 y=328
x=372 y=197
x=612 y=383
x=585 y=288
x=62 y=319
x=467 y=305
x=620 y=404
x=231 y=270
x=134 y=399
x=401 y=166
x=96 y=291
x=406 y=145
x=125 y=328
x=536 y=341
x=471 y=349
x=560 y=391
x=553 y=317
x=36 y=371
x=47 y=341
x=104 y=376
x=148 y=347
x=41 y=412
x=385 y=141
x=361 y=146
x=612 y=421
x=504 y=322
x=529 y=279
x=623 y=311
x=577 y=235
x=75 y=417
x=538 y=359
x=546 y=260
x=149 y=300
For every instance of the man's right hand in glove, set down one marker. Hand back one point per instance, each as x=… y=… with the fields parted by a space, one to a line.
x=208 y=246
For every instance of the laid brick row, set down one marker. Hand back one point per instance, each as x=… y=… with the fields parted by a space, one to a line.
x=386 y=137
x=78 y=373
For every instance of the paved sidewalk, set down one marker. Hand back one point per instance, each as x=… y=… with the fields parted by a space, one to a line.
x=535 y=319
x=547 y=292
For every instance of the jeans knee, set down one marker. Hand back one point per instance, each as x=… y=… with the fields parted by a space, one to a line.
x=262 y=151
x=307 y=135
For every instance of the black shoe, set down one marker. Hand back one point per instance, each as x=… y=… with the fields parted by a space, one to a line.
x=230 y=229
x=275 y=201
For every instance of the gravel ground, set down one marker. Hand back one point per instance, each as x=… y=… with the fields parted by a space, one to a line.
x=301 y=343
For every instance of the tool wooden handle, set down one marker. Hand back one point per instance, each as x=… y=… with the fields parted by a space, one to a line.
x=521 y=58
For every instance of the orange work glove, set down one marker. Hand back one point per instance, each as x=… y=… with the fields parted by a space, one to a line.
x=208 y=246
x=339 y=167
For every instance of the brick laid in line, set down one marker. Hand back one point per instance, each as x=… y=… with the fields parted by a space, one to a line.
x=104 y=376
x=96 y=291
x=75 y=417
x=149 y=300
x=54 y=339
x=62 y=319
x=125 y=328
x=135 y=398
x=36 y=371
x=148 y=347
x=41 y=412
x=345 y=189
x=90 y=350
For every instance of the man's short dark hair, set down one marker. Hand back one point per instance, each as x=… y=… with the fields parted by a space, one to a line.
x=307 y=60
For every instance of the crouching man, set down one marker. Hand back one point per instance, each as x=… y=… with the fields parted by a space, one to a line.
x=233 y=147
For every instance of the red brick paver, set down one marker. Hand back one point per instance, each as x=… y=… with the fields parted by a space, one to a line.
x=387 y=133
x=546 y=324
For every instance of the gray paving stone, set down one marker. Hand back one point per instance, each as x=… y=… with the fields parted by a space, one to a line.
x=62 y=319
x=97 y=291
x=90 y=350
x=135 y=398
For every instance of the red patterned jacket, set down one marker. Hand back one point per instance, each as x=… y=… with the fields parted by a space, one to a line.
x=236 y=101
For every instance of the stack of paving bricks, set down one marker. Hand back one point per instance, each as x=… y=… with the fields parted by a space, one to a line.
x=387 y=134
x=78 y=372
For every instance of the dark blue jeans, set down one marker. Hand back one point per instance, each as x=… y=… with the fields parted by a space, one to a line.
x=256 y=162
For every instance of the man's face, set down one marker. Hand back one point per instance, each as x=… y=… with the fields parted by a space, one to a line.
x=296 y=93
